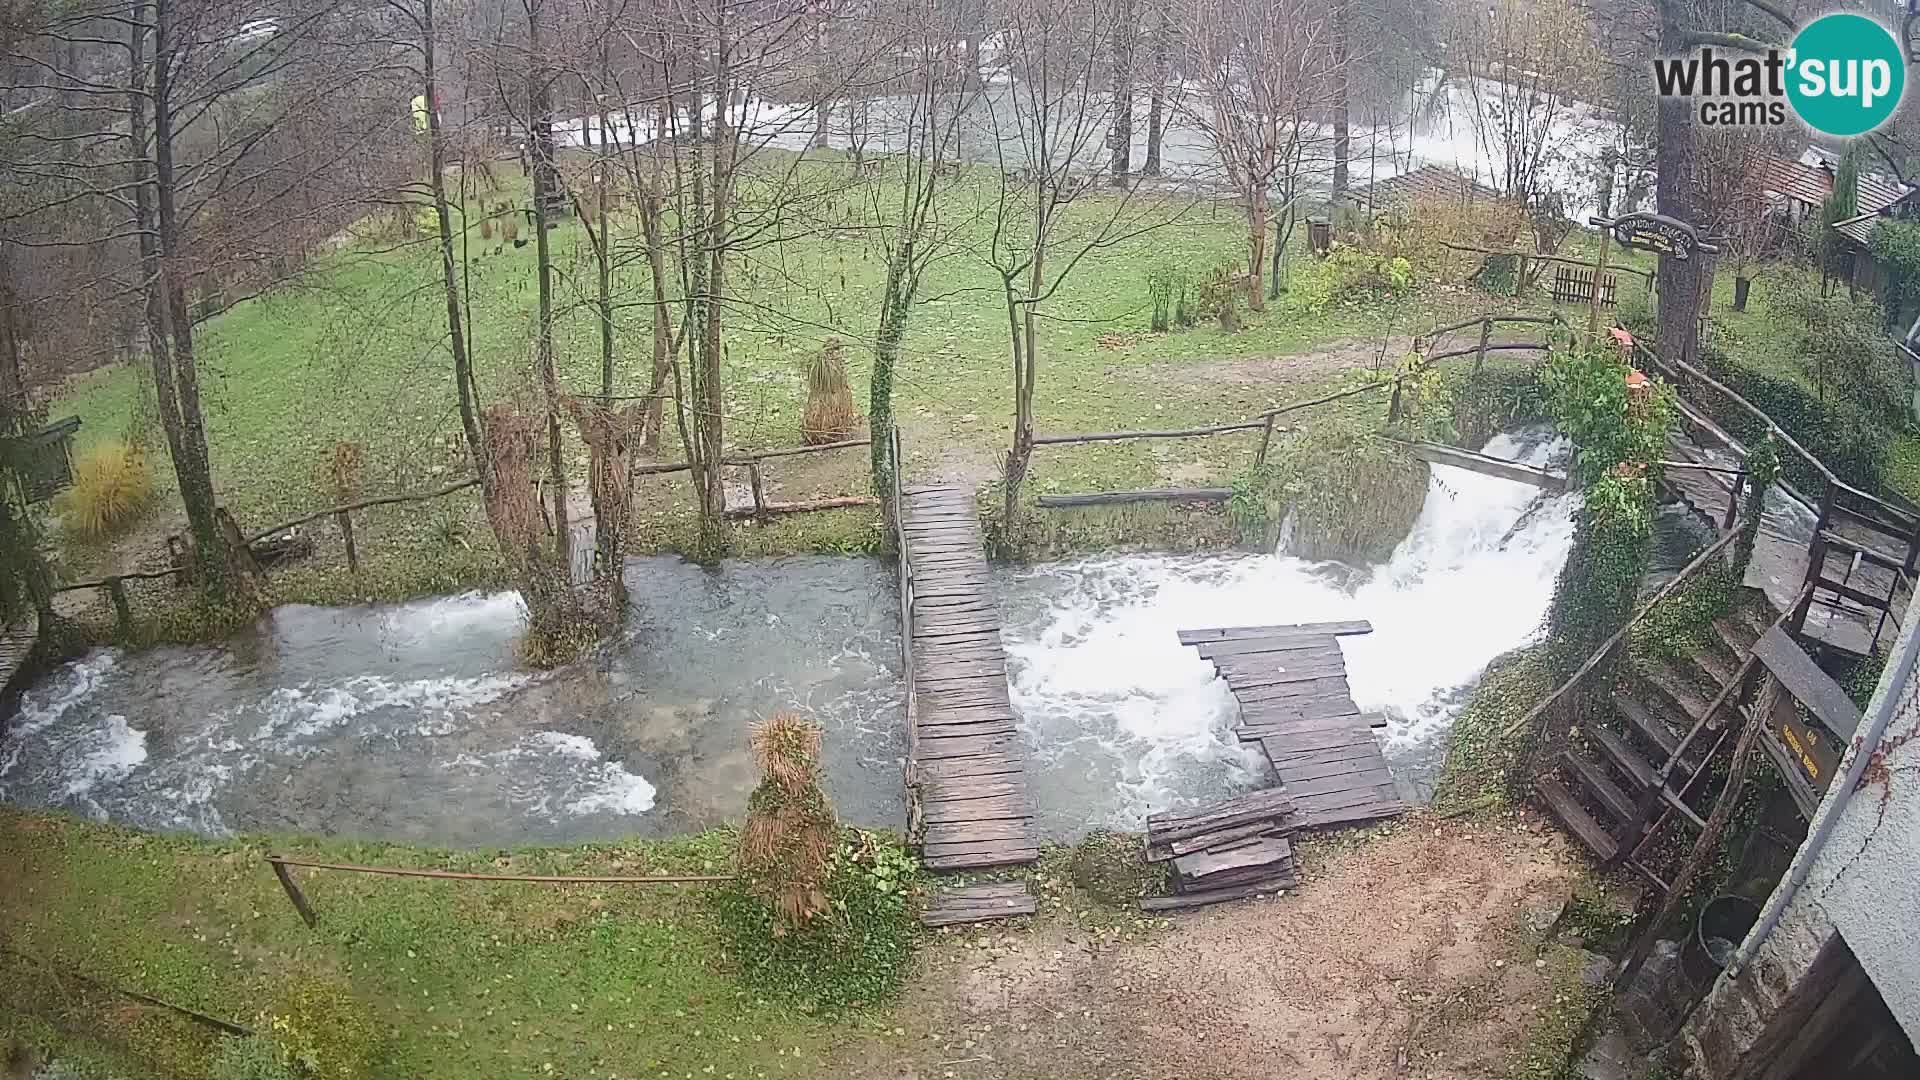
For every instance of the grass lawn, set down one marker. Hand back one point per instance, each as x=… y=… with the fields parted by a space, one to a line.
x=468 y=978
x=355 y=351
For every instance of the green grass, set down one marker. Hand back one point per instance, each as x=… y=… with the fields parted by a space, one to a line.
x=355 y=351
x=469 y=978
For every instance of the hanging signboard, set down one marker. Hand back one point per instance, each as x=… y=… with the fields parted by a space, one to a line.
x=1657 y=233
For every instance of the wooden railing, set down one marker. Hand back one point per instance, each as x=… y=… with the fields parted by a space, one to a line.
x=755 y=465
x=1267 y=422
x=1839 y=504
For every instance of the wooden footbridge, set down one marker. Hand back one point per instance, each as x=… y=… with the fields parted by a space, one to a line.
x=1291 y=683
x=966 y=771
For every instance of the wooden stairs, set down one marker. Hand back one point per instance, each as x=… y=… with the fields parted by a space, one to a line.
x=1644 y=765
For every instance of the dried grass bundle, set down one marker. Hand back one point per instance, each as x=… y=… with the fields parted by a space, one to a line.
x=829 y=415
x=786 y=845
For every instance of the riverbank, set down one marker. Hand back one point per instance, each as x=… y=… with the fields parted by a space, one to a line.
x=483 y=979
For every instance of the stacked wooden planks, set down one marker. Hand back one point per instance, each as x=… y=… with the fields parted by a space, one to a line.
x=978 y=903
x=1227 y=851
x=1291 y=683
x=966 y=774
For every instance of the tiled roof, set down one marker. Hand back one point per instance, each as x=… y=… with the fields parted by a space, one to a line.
x=1426 y=182
x=1809 y=184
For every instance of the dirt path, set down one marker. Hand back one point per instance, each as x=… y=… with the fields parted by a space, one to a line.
x=1411 y=956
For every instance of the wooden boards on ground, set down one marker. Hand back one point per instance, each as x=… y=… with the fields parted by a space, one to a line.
x=967 y=761
x=978 y=903
x=1224 y=851
x=1291 y=683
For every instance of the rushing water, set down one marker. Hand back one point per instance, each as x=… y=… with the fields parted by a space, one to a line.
x=1123 y=720
x=414 y=722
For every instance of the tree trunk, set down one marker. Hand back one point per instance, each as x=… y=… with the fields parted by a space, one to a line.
x=1342 y=142
x=543 y=177
x=1120 y=135
x=1157 y=100
x=1677 y=336
x=456 y=333
x=603 y=242
x=176 y=376
x=1742 y=285
x=1256 y=246
x=895 y=307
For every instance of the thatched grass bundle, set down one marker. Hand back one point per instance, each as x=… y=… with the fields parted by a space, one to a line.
x=829 y=416
x=787 y=842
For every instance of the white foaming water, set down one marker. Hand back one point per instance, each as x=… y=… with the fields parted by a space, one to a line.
x=291 y=713
x=569 y=773
x=1112 y=702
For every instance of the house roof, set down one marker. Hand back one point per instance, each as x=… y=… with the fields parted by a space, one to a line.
x=1809 y=184
x=1426 y=182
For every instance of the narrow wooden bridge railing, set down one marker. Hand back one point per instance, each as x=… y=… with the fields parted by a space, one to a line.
x=755 y=464
x=1838 y=506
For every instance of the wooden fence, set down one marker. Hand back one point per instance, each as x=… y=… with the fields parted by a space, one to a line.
x=301 y=904
x=1267 y=422
x=755 y=464
x=1575 y=286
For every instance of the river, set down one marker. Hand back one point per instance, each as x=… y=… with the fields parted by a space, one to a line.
x=414 y=722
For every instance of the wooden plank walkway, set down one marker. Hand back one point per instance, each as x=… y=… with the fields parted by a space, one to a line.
x=1291 y=683
x=966 y=779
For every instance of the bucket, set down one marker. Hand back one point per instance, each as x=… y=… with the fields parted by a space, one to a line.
x=1722 y=926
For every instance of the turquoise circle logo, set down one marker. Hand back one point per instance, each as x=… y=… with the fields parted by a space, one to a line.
x=1847 y=74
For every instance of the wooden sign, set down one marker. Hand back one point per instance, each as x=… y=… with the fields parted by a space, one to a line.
x=1656 y=233
x=1809 y=747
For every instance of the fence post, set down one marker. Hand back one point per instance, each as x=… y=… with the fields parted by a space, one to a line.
x=345 y=520
x=122 y=611
x=1480 y=359
x=293 y=893
x=1733 y=502
x=759 y=498
x=1266 y=441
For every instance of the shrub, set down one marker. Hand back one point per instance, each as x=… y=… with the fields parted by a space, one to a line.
x=1496 y=224
x=1499 y=397
x=1845 y=353
x=829 y=414
x=1165 y=282
x=320 y=1031
x=251 y=1057
x=112 y=489
x=1351 y=495
x=1846 y=438
x=1350 y=273
x=340 y=470
x=856 y=953
x=1218 y=296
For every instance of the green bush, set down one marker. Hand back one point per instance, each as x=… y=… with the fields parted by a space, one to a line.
x=321 y=1032
x=1351 y=273
x=1500 y=397
x=1353 y=496
x=856 y=955
x=251 y=1057
x=1844 y=436
x=1896 y=247
x=1845 y=352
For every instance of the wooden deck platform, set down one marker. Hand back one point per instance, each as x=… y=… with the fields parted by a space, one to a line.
x=966 y=772
x=1291 y=683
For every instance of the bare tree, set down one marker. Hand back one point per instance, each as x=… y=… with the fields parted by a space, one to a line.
x=1049 y=129
x=1261 y=71
x=917 y=235
x=1526 y=65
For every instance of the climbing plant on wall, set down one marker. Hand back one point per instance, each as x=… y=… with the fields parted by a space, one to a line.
x=1617 y=421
